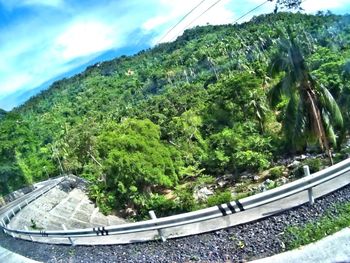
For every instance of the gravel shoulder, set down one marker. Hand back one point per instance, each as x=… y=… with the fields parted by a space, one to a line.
x=250 y=241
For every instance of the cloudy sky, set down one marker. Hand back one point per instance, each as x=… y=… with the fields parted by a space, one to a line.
x=43 y=39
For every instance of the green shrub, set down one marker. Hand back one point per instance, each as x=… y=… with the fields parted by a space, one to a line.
x=298 y=172
x=219 y=198
x=276 y=172
x=136 y=161
x=160 y=204
x=186 y=201
x=105 y=201
x=339 y=157
x=205 y=180
x=315 y=165
x=272 y=185
x=34 y=225
x=241 y=195
x=342 y=155
x=242 y=187
x=251 y=160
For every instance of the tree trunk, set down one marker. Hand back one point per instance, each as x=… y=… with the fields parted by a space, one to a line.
x=318 y=125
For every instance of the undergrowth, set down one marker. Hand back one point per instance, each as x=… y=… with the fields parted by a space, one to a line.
x=328 y=224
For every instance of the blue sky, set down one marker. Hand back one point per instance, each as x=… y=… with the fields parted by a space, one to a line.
x=42 y=40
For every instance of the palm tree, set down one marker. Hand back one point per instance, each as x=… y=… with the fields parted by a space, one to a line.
x=311 y=113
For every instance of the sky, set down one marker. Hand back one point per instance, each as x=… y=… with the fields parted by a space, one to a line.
x=44 y=40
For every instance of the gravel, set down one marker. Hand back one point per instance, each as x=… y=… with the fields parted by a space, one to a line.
x=250 y=241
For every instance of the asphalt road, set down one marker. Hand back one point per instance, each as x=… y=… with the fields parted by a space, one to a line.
x=331 y=249
x=41 y=187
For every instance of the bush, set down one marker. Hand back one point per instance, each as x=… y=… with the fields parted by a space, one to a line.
x=298 y=172
x=276 y=172
x=219 y=198
x=251 y=160
x=186 y=201
x=315 y=165
x=136 y=161
x=160 y=204
x=204 y=180
x=242 y=195
x=342 y=155
x=237 y=149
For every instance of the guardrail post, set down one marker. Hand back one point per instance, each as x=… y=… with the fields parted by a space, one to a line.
x=160 y=232
x=311 y=196
x=309 y=191
x=69 y=238
x=4 y=225
x=30 y=236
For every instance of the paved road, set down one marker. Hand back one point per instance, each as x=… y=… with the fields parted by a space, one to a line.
x=332 y=249
x=7 y=256
x=14 y=203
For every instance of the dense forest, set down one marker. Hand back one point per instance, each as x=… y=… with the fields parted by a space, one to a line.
x=148 y=129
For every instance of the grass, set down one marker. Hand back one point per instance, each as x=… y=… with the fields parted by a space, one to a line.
x=34 y=226
x=328 y=224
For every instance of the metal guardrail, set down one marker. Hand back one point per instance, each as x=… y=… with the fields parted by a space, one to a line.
x=156 y=224
x=10 y=213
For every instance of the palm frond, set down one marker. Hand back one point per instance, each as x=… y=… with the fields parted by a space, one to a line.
x=288 y=85
x=284 y=44
x=328 y=103
x=283 y=87
x=329 y=130
x=294 y=121
x=275 y=94
x=278 y=64
x=300 y=125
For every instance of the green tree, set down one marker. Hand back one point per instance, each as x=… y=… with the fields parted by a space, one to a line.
x=311 y=112
x=136 y=162
x=2 y=113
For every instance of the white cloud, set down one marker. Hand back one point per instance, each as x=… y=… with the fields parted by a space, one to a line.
x=316 y=5
x=14 y=81
x=11 y=4
x=54 y=3
x=155 y=22
x=84 y=38
x=310 y=6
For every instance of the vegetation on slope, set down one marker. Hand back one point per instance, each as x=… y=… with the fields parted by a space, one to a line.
x=147 y=130
x=2 y=113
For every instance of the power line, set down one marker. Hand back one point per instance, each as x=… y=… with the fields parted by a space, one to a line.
x=210 y=7
x=182 y=19
x=206 y=10
x=251 y=11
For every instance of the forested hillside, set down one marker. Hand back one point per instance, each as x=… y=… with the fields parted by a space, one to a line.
x=220 y=100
